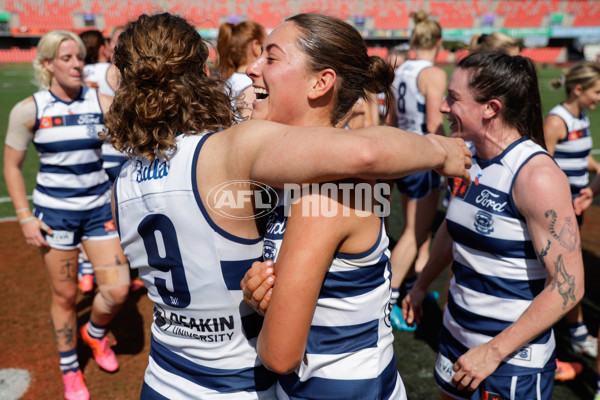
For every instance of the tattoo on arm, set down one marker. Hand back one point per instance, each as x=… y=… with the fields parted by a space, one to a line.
x=564 y=282
x=542 y=254
x=568 y=234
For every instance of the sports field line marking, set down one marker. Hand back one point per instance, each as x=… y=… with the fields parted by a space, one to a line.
x=8 y=199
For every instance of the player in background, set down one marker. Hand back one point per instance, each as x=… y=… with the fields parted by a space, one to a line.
x=569 y=140
x=71 y=200
x=495 y=41
x=238 y=45
x=418 y=88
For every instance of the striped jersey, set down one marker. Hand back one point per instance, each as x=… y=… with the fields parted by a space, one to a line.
x=496 y=272
x=112 y=159
x=66 y=137
x=349 y=352
x=410 y=102
x=571 y=153
x=97 y=73
x=203 y=334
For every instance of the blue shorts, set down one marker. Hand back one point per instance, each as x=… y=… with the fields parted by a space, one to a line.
x=536 y=386
x=71 y=227
x=418 y=186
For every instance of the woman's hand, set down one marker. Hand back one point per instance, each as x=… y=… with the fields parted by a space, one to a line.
x=412 y=306
x=257 y=285
x=458 y=157
x=583 y=201
x=32 y=230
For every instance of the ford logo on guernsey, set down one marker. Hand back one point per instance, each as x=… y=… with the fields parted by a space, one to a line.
x=228 y=198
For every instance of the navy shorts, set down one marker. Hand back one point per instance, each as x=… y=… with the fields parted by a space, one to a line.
x=418 y=186
x=536 y=386
x=69 y=228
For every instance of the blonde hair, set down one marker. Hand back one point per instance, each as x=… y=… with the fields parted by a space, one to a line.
x=493 y=41
x=585 y=74
x=47 y=49
x=426 y=32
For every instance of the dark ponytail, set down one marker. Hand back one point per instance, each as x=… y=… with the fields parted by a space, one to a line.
x=513 y=81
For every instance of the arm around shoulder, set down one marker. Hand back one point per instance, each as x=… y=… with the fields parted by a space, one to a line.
x=277 y=154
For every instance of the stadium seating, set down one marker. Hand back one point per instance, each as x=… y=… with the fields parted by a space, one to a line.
x=586 y=13
x=267 y=13
x=378 y=51
x=522 y=13
x=36 y=17
x=41 y=16
x=16 y=55
x=387 y=15
x=547 y=55
x=453 y=14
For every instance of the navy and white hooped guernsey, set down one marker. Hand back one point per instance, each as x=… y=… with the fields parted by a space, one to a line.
x=410 y=101
x=349 y=353
x=203 y=334
x=496 y=272
x=571 y=153
x=71 y=176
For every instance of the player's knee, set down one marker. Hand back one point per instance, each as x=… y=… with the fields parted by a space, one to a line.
x=119 y=294
x=66 y=299
x=113 y=284
x=113 y=297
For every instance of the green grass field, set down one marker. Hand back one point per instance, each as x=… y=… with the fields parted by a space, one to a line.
x=416 y=351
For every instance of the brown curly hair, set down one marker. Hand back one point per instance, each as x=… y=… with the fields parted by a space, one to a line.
x=165 y=89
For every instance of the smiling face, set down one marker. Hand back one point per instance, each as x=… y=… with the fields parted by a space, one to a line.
x=462 y=111
x=66 y=69
x=590 y=97
x=281 y=80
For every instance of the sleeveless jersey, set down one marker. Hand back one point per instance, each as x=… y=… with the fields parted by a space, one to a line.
x=496 y=272
x=410 y=102
x=97 y=73
x=571 y=153
x=203 y=334
x=237 y=83
x=349 y=352
x=112 y=159
x=66 y=137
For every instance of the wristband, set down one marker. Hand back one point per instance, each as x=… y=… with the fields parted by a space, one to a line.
x=22 y=209
x=26 y=220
